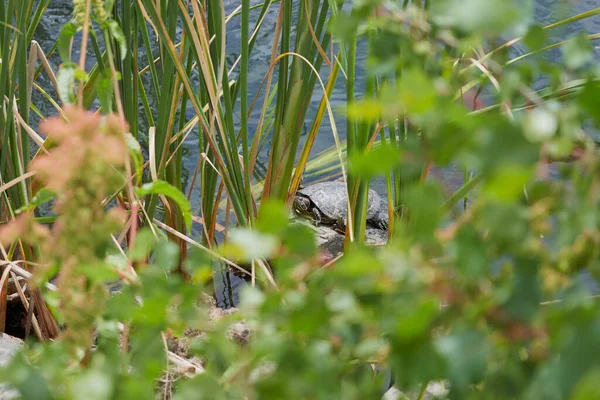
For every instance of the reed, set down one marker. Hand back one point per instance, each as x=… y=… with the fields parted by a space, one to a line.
x=164 y=66
x=18 y=21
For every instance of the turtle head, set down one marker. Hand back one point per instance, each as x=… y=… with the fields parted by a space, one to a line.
x=301 y=205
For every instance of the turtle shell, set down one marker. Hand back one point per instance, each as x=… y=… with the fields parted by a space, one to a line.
x=331 y=199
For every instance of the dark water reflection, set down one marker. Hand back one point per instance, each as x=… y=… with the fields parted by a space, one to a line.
x=59 y=12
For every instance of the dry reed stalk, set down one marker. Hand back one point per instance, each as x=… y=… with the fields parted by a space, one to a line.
x=43 y=322
x=3 y=297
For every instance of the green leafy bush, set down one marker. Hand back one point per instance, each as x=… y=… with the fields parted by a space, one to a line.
x=493 y=300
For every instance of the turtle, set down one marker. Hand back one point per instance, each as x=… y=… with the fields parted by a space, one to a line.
x=326 y=204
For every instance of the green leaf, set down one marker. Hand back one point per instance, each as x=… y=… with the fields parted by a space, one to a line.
x=199 y=265
x=506 y=222
x=488 y=17
x=273 y=217
x=66 y=82
x=30 y=382
x=588 y=100
x=300 y=239
x=526 y=297
x=376 y=162
x=471 y=257
x=540 y=125
x=415 y=322
x=105 y=89
x=108 y=5
x=579 y=350
x=500 y=142
x=423 y=204
x=577 y=52
x=166 y=189
x=345 y=27
x=535 y=38
x=41 y=197
x=166 y=255
x=116 y=259
x=251 y=297
x=144 y=241
x=358 y=264
x=417 y=93
x=367 y=110
x=507 y=182
x=118 y=35
x=253 y=244
x=135 y=151
x=81 y=75
x=587 y=388
x=94 y=384
x=99 y=272
x=64 y=40
x=465 y=354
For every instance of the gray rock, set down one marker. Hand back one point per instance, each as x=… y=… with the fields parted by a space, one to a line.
x=394 y=394
x=434 y=391
x=8 y=347
x=376 y=237
x=329 y=240
x=333 y=242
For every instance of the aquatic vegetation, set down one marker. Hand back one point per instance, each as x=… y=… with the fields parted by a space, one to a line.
x=487 y=287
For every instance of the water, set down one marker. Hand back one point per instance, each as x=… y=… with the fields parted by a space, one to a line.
x=59 y=12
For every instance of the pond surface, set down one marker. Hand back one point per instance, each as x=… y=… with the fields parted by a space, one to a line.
x=544 y=12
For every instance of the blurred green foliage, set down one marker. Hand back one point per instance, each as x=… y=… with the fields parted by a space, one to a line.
x=491 y=301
